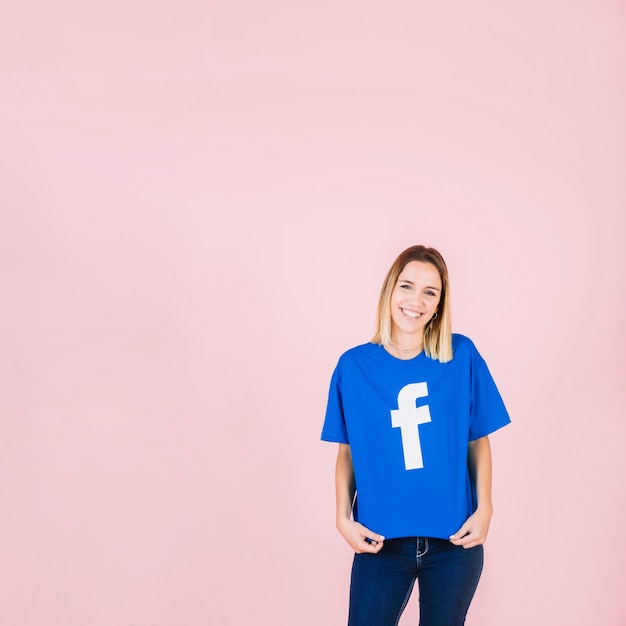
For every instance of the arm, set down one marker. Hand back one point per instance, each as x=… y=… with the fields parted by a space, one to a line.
x=353 y=532
x=474 y=530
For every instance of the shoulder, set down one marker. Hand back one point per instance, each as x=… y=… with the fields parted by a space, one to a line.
x=361 y=357
x=356 y=359
x=463 y=347
x=360 y=352
x=462 y=342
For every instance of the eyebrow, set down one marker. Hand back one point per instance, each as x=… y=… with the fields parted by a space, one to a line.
x=410 y=282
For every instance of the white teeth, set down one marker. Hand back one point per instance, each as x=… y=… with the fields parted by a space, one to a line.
x=410 y=314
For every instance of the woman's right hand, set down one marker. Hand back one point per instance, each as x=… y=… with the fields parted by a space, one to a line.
x=359 y=538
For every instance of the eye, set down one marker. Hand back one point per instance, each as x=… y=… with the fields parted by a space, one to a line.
x=405 y=286
x=428 y=292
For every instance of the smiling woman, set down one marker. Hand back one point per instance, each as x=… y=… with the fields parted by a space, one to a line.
x=412 y=411
x=413 y=304
x=416 y=288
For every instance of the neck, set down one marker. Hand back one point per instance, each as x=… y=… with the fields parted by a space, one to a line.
x=407 y=343
x=404 y=350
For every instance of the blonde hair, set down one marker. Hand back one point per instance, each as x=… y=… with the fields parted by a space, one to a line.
x=438 y=332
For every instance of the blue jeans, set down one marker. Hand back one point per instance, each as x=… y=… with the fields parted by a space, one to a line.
x=447 y=577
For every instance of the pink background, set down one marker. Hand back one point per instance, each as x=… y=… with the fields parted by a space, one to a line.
x=199 y=203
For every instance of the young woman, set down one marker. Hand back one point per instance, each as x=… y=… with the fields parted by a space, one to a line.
x=411 y=411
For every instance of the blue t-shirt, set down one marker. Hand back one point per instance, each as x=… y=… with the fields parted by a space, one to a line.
x=408 y=423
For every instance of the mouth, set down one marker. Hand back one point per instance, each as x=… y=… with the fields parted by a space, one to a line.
x=412 y=315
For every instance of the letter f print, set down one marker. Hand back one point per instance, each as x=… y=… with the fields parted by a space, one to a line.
x=407 y=418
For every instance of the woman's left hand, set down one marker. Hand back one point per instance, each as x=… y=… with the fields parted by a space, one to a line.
x=474 y=530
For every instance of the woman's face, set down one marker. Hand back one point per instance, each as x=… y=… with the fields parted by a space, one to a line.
x=415 y=298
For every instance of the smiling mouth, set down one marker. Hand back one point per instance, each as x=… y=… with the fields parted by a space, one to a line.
x=412 y=315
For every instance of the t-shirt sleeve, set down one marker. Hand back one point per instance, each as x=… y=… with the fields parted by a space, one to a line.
x=334 y=428
x=488 y=412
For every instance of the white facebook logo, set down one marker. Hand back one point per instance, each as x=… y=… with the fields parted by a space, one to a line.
x=407 y=418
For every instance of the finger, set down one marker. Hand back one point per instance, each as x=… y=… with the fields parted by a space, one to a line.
x=371 y=546
x=378 y=547
x=459 y=534
x=373 y=542
x=370 y=534
x=466 y=539
x=462 y=540
x=470 y=540
x=367 y=547
x=373 y=537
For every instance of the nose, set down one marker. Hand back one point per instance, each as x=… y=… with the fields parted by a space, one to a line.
x=416 y=297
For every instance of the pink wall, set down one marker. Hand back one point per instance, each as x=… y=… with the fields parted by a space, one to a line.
x=200 y=201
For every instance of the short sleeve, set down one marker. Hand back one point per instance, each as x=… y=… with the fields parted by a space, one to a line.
x=488 y=412
x=334 y=428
